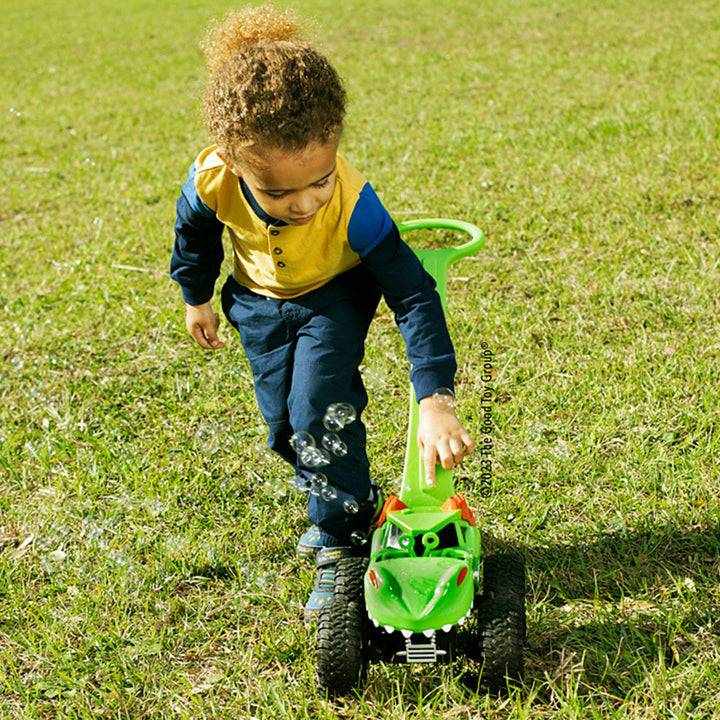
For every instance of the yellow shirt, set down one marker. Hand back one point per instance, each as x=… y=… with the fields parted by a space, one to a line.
x=284 y=261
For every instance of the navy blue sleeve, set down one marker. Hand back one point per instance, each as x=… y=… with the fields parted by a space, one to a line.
x=198 y=251
x=369 y=223
x=410 y=293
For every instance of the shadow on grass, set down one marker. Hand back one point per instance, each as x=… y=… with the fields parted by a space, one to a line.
x=606 y=615
x=624 y=563
x=617 y=609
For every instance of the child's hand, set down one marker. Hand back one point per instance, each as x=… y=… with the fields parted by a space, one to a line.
x=202 y=323
x=441 y=437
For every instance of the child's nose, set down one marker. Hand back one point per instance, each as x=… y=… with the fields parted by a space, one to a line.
x=303 y=204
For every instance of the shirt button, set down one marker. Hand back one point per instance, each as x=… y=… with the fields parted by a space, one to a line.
x=281 y=264
x=274 y=232
x=277 y=251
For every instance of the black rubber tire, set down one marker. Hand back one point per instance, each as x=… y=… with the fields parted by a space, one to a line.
x=340 y=650
x=501 y=621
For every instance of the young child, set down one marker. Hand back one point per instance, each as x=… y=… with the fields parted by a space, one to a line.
x=313 y=251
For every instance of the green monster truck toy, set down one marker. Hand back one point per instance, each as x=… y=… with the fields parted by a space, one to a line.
x=425 y=578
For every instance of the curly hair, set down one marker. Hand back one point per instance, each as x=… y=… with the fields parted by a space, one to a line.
x=268 y=87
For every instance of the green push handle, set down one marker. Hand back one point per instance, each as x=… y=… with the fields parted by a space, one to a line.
x=414 y=491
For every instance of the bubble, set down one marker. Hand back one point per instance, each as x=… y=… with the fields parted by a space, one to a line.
x=444 y=398
x=314 y=457
x=338 y=415
x=90 y=162
x=358 y=538
x=318 y=483
x=333 y=443
x=261 y=454
x=373 y=379
x=155 y=507
x=301 y=441
x=351 y=507
x=328 y=493
x=274 y=488
x=17 y=362
x=319 y=480
x=207 y=439
x=90 y=529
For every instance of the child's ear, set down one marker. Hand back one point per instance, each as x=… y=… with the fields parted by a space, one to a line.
x=227 y=164
x=220 y=155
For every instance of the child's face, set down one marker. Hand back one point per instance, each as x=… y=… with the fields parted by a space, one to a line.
x=292 y=186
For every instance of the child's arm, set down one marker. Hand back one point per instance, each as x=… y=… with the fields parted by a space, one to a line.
x=202 y=323
x=441 y=437
x=195 y=265
x=410 y=293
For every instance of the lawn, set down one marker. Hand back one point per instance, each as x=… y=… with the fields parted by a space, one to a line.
x=147 y=565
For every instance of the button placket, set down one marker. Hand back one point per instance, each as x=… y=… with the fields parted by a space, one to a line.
x=273 y=234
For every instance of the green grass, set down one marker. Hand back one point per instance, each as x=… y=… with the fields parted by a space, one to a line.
x=146 y=541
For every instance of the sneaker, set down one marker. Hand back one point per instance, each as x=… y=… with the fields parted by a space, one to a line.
x=323 y=592
x=310 y=543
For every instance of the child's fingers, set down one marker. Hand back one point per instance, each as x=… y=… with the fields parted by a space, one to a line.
x=448 y=455
x=451 y=453
x=206 y=337
x=202 y=324
x=213 y=343
x=429 y=459
x=459 y=450
x=211 y=334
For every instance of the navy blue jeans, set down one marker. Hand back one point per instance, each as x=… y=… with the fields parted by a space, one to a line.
x=304 y=354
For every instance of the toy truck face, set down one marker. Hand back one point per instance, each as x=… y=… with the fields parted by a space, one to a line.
x=423 y=571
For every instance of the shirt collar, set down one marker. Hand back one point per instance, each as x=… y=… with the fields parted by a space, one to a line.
x=269 y=220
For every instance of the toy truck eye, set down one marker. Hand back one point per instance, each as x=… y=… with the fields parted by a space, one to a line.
x=374 y=580
x=461 y=576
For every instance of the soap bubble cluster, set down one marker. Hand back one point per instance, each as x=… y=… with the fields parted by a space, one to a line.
x=338 y=415
x=318 y=482
x=321 y=487
x=310 y=455
x=303 y=443
x=333 y=443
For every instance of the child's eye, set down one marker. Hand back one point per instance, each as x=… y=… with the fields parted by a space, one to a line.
x=322 y=183
x=275 y=196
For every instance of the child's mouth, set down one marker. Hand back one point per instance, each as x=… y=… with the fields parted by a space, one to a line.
x=303 y=220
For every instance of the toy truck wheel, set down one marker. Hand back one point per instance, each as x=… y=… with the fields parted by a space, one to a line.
x=501 y=621
x=340 y=634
